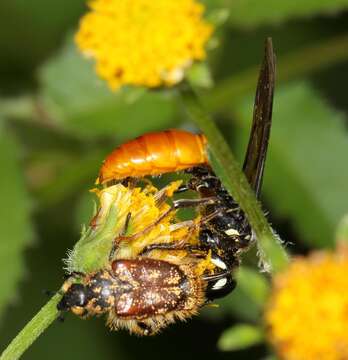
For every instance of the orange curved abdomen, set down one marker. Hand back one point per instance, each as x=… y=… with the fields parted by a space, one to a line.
x=155 y=154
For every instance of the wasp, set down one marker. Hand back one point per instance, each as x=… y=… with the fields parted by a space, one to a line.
x=226 y=232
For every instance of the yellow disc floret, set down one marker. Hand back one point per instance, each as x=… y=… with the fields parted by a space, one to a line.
x=143 y=42
x=307 y=316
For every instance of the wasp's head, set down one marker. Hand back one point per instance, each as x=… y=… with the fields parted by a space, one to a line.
x=75 y=299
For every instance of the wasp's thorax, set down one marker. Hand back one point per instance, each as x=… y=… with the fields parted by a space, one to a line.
x=142 y=294
x=228 y=231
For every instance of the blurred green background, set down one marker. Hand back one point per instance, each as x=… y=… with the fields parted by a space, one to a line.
x=58 y=121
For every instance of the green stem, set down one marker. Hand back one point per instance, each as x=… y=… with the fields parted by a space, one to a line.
x=227 y=168
x=32 y=330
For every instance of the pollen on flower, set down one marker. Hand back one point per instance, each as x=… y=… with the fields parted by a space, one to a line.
x=142 y=42
x=307 y=315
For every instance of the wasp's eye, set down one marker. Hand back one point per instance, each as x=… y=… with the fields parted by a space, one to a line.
x=75 y=296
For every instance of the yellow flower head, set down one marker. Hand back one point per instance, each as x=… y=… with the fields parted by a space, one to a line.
x=308 y=312
x=151 y=221
x=143 y=42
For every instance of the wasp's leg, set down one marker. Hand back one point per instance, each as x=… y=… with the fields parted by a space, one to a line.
x=122 y=235
x=178 y=204
x=165 y=193
x=182 y=245
x=130 y=182
x=182 y=188
x=177 y=245
x=200 y=171
x=185 y=203
x=174 y=246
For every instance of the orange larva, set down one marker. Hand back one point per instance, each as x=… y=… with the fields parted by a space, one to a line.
x=154 y=154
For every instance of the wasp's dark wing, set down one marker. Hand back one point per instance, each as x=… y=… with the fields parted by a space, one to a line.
x=255 y=157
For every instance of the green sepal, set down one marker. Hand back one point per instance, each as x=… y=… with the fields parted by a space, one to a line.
x=92 y=251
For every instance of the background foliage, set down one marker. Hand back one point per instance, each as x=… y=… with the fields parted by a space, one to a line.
x=58 y=121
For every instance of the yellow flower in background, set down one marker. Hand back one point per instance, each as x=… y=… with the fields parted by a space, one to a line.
x=307 y=316
x=143 y=42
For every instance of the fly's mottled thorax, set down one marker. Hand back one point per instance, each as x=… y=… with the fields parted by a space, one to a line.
x=136 y=290
x=95 y=295
x=155 y=287
x=103 y=287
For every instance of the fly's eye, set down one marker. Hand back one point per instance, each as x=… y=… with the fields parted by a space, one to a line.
x=75 y=296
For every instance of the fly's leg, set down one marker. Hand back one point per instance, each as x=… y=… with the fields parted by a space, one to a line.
x=74 y=275
x=144 y=328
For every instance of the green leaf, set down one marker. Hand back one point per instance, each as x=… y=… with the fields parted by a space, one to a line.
x=75 y=175
x=199 y=74
x=15 y=224
x=247 y=300
x=30 y=30
x=250 y=13
x=306 y=178
x=342 y=231
x=240 y=337
x=83 y=104
x=217 y=15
